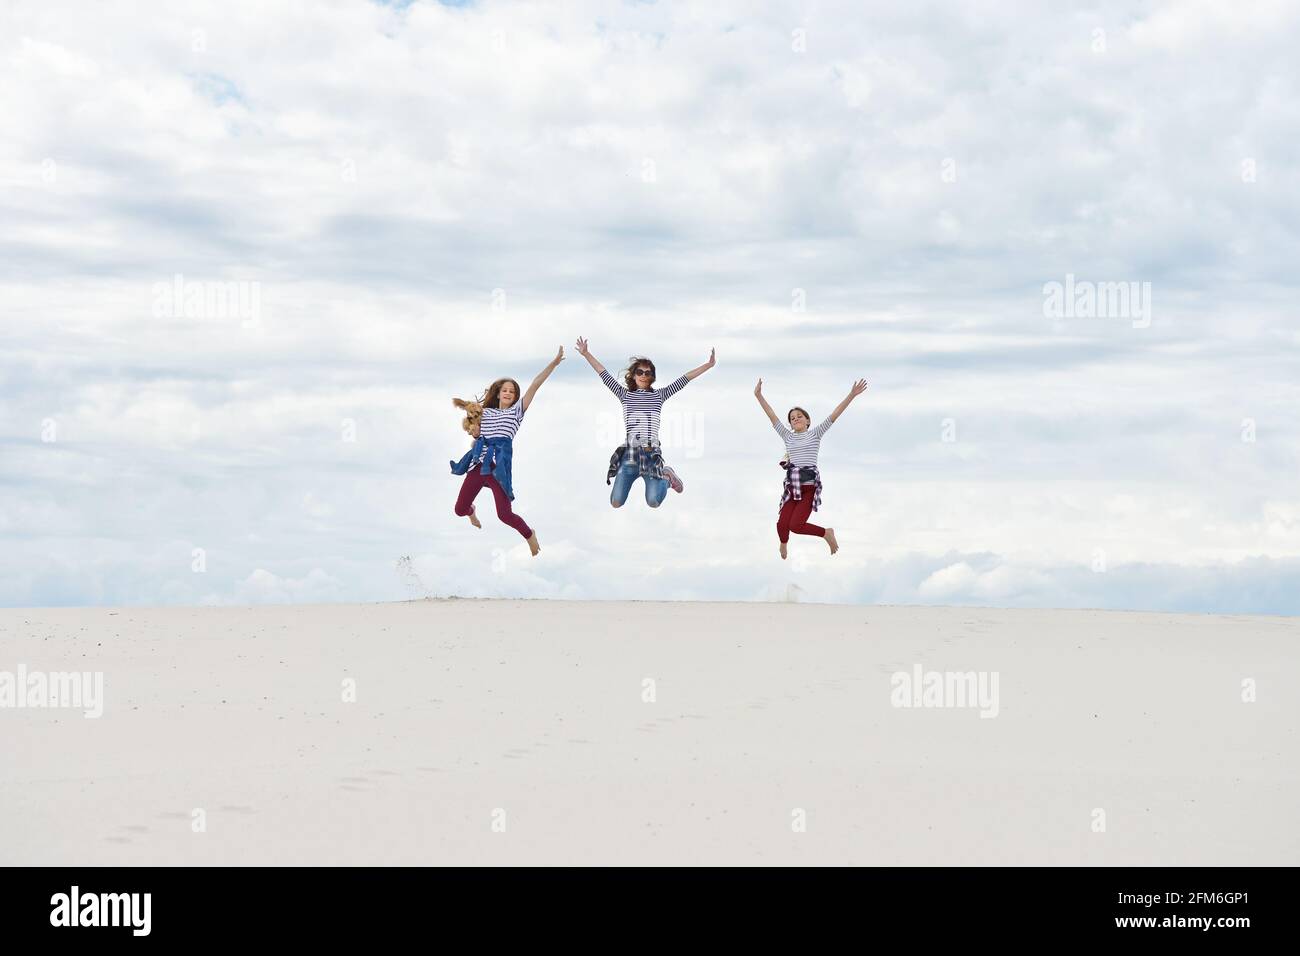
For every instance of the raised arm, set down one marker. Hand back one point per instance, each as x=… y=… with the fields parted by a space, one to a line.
x=586 y=353
x=858 y=388
x=758 y=393
x=542 y=376
x=610 y=382
x=681 y=382
x=697 y=372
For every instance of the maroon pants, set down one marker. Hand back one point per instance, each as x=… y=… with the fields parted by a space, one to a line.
x=794 y=516
x=474 y=483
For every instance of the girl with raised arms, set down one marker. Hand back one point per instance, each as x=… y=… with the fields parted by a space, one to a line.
x=488 y=463
x=640 y=455
x=801 y=494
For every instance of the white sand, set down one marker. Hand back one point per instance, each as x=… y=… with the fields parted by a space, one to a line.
x=534 y=707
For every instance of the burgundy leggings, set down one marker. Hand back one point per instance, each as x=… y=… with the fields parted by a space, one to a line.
x=794 y=516
x=474 y=483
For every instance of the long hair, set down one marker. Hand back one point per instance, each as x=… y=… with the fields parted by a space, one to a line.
x=629 y=379
x=492 y=398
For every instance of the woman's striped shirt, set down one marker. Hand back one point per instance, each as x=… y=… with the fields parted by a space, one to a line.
x=500 y=423
x=642 y=408
x=801 y=448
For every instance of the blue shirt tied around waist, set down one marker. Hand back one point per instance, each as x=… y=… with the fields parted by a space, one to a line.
x=496 y=461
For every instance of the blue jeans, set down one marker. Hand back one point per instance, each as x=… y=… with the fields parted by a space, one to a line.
x=656 y=489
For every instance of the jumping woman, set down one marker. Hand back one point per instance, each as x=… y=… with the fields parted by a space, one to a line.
x=802 y=493
x=487 y=464
x=640 y=455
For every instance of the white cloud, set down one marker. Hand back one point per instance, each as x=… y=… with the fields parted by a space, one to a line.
x=661 y=179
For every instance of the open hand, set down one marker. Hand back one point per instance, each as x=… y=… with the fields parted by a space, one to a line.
x=582 y=346
x=858 y=388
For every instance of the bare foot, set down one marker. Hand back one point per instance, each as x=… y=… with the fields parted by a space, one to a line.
x=830 y=539
x=782 y=550
x=533 y=546
x=473 y=519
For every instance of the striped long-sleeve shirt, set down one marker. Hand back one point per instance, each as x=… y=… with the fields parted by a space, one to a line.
x=801 y=448
x=642 y=407
x=500 y=422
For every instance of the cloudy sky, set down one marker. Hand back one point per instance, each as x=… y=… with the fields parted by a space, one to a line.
x=410 y=200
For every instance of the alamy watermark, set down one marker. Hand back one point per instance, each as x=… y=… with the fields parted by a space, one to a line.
x=76 y=908
x=197 y=299
x=78 y=690
x=945 y=689
x=1081 y=299
x=680 y=433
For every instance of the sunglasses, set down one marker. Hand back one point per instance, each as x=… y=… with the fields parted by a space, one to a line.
x=642 y=371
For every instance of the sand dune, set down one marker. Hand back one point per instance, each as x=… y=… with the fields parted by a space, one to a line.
x=502 y=732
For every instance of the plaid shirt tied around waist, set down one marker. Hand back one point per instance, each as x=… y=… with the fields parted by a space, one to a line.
x=796 y=476
x=649 y=460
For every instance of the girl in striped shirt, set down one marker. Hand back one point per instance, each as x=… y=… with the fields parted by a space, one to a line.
x=802 y=492
x=488 y=463
x=640 y=456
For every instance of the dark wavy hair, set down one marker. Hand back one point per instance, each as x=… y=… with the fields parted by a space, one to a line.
x=798 y=409
x=492 y=398
x=628 y=379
